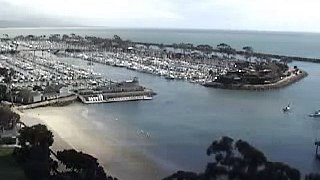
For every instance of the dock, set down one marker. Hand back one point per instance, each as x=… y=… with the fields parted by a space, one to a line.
x=38 y=81
x=200 y=64
x=123 y=91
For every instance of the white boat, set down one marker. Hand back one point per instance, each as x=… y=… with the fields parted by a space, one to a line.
x=287 y=108
x=28 y=67
x=147 y=97
x=14 y=80
x=3 y=57
x=315 y=114
x=170 y=76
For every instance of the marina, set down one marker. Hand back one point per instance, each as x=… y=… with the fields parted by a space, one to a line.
x=35 y=78
x=169 y=128
x=200 y=64
x=159 y=90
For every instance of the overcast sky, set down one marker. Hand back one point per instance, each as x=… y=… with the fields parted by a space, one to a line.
x=279 y=15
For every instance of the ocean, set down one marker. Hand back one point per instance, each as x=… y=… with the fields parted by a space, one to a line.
x=284 y=43
x=184 y=118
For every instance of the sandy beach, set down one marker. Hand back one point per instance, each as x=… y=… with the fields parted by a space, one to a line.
x=73 y=128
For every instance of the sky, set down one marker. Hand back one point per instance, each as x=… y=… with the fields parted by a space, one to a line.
x=275 y=15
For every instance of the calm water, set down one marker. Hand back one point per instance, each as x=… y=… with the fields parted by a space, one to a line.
x=295 y=44
x=183 y=119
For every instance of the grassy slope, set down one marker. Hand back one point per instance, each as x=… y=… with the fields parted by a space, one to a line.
x=9 y=169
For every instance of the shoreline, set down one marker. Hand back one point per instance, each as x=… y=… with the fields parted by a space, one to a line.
x=277 y=85
x=72 y=129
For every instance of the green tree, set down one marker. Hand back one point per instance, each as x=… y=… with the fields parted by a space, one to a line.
x=248 y=51
x=65 y=37
x=117 y=39
x=8 y=118
x=82 y=166
x=35 y=135
x=238 y=160
x=34 y=153
x=206 y=49
x=3 y=91
x=226 y=49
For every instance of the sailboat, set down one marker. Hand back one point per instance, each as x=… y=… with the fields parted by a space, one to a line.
x=90 y=63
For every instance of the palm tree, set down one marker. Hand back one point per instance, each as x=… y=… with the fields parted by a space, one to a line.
x=8 y=80
x=226 y=49
x=223 y=46
x=147 y=49
x=207 y=49
x=183 y=47
x=65 y=37
x=175 y=47
x=117 y=38
x=248 y=50
x=162 y=49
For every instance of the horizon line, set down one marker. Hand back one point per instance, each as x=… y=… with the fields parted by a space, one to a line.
x=160 y=28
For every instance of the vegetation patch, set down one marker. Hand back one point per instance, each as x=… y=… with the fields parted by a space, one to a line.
x=9 y=168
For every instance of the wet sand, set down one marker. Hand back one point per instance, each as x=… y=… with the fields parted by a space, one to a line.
x=72 y=128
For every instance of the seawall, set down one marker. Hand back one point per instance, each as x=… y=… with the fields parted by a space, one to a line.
x=280 y=84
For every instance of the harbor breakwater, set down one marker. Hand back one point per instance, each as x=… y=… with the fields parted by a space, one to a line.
x=261 y=87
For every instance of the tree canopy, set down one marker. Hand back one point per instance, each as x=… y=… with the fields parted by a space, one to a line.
x=225 y=48
x=3 y=91
x=76 y=161
x=248 y=50
x=204 y=48
x=8 y=118
x=117 y=38
x=7 y=74
x=34 y=153
x=238 y=160
x=35 y=135
x=82 y=166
